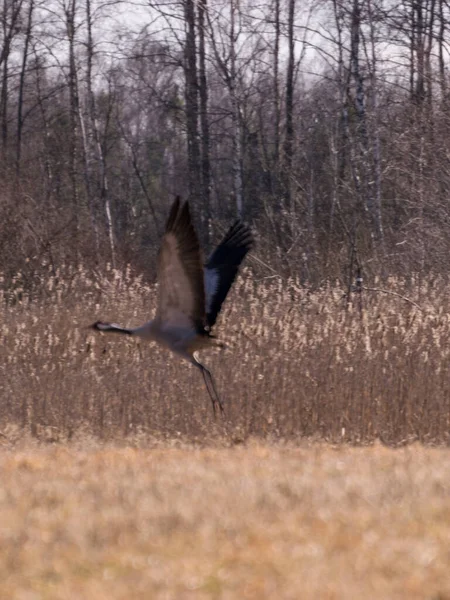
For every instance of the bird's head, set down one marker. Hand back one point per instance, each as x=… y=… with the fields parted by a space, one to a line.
x=99 y=326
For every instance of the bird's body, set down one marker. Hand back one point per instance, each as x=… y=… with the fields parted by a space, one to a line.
x=181 y=340
x=190 y=294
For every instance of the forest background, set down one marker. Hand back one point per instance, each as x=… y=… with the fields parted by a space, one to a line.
x=323 y=123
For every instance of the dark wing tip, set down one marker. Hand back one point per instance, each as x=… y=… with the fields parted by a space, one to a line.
x=180 y=218
x=241 y=235
x=232 y=249
x=173 y=214
x=223 y=266
x=184 y=218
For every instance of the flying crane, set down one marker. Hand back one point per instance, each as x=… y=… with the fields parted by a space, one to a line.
x=190 y=294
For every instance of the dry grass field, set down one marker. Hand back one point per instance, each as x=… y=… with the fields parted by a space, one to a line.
x=255 y=522
x=329 y=476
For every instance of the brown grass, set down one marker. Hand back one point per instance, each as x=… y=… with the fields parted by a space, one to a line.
x=298 y=364
x=258 y=522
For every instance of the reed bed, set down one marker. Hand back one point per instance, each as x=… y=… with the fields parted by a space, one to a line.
x=299 y=363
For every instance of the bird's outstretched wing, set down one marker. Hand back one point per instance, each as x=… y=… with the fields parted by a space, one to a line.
x=181 y=301
x=222 y=267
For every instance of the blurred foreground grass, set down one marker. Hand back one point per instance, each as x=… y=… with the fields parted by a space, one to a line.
x=83 y=520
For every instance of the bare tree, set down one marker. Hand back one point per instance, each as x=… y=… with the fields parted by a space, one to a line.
x=227 y=64
x=289 y=99
x=10 y=25
x=276 y=91
x=191 y=99
x=204 y=121
x=20 y=100
x=102 y=177
x=70 y=13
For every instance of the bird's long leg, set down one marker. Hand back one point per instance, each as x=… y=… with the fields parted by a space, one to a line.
x=210 y=385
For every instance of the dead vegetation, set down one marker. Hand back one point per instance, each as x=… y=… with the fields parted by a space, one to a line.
x=256 y=523
x=142 y=495
x=299 y=363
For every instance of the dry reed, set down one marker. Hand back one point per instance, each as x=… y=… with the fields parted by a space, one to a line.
x=299 y=363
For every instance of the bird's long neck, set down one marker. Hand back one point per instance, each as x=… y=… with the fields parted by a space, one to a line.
x=113 y=328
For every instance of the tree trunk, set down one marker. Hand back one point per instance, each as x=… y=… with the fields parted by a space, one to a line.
x=441 y=45
x=191 y=99
x=339 y=148
x=419 y=92
x=45 y=125
x=4 y=94
x=73 y=120
x=289 y=139
x=430 y=38
x=374 y=132
x=276 y=91
x=237 y=134
x=102 y=182
x=361 y=167
x=22 y=84
x=204 y=123
x=10 y=27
